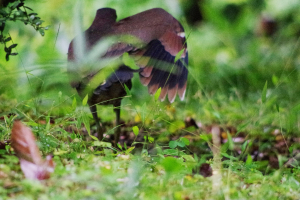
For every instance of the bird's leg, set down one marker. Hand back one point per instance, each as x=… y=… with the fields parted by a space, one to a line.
x=117 y=109
x=100 y=131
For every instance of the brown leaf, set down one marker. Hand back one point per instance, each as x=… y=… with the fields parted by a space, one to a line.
x=24 y=144
x=39 y=172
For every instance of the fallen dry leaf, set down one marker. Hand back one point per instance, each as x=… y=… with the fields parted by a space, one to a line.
x=24 y=144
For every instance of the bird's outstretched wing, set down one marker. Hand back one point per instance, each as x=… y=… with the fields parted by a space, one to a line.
x=162 y=70
x=162 y=55
x=164 y=58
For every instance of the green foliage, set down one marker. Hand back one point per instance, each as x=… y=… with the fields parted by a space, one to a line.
x=181 y=142
x=172 y=165
x=135 y=130
x=85 y=100
x=17 y=11
x=264 y=93
x=128 y=61
x=157 y=93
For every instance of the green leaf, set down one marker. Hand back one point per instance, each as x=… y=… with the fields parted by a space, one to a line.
x=249 y=160
x=275 y=79
x=189 y=158
x=128 y=93
x=20 y=4
x=150 y=139
x=6 y=119
x=101 y=144
x=130 y=149
x=172 y=164
x=135 y=130
x=86 y=122
x=228 y=156
x=39 y=22
x=73 y=136
x=230 y=141
x=196 y=157
x=8 y=50
x=74 y=103
x=244 y=146
x=42 y=32
x=2 y=12
x=12 y=46
x=31 y=18
x=176 y=125
x=157 y=93
x=264 y=93
x=84 y=101
x=7 y=147
x=178 y=55
x=14 y=5
x=277 y=107
x=173 y=144
x=185 y=141
x=32 y=123
x=224 y=147
x=120 y=147
x=59 y=94
x=173 y=152
x=204 y=137
x=48 y=124
x=128 y=61
x=180 y=144
x=28 y=8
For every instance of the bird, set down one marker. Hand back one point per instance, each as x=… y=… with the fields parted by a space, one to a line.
x=162 y=58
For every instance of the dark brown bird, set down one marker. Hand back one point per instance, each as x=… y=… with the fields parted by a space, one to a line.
x=163 y=39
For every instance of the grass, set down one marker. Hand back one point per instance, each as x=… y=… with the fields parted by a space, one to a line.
x=85 y=175
x=243 y=89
